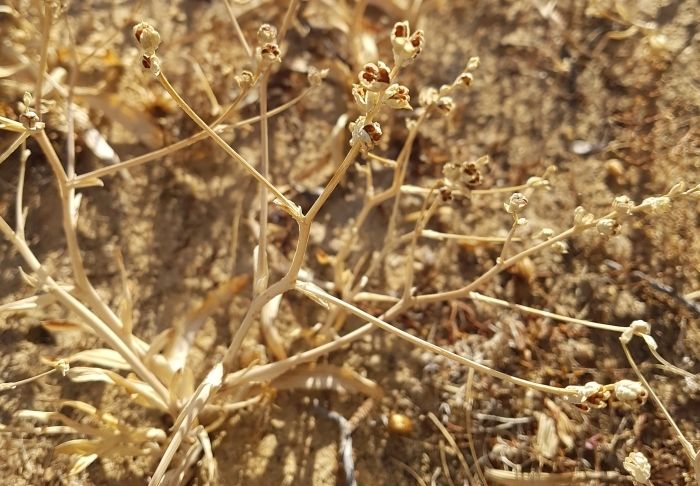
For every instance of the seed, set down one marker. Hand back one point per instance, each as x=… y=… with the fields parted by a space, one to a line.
x=400 y=424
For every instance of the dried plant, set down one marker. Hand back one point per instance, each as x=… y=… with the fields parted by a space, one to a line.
x=163 y=374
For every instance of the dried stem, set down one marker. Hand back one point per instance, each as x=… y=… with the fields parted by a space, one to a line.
x=19 y=211
x=320 y=294
x=291 y=208
x=67 y=196
x=46 y=19
x=262 y=271
x=687 y=446
x=237 y=28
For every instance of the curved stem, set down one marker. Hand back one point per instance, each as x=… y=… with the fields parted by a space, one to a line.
x=433 y=347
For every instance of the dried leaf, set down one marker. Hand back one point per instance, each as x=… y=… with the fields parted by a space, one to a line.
x=566 y=428
x=139 y=125
x=140 y=391
x=184 y=421
x=181 y=340
x=304 y=287
x=81 y=463
x=273 y=340
x=328 y=377
x=547 y=441
x=101 y=357
x=64 y=326
x=181 y=385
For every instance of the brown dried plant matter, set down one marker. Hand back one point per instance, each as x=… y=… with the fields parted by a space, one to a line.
x=411 y=229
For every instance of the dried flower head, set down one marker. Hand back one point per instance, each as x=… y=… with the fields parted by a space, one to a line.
x=639 y=328
x=561 y=247
x=147 y=37
x=465 y=79
x=463 y=176
x=28 y=117
x=473 y=63
x=428 y=96
x=638 y=466
x=631 y=392
x=375 y=77
x=364 y=99
x=445 y=104
x=607 y=227
x=244 y=80
x=516 y=204
x=316 y=76
x=365 y=134
x=269 y=54
x=582 y=218
x=406 y=46
x=267 y=34
x=149 y=40
x=544 y=234
x=592 y=394
x=623 y=205
x=396 y=96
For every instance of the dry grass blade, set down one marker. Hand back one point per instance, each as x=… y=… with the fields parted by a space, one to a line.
x=183 y=424
x=99 y=356
x=512 y=478
x=451 y=440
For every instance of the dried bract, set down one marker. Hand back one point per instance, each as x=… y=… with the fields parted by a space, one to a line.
x=365 y=99
x=463 y=176
x=445 y=104
x=269 y=54
x=639 y=328
x=244 y=80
